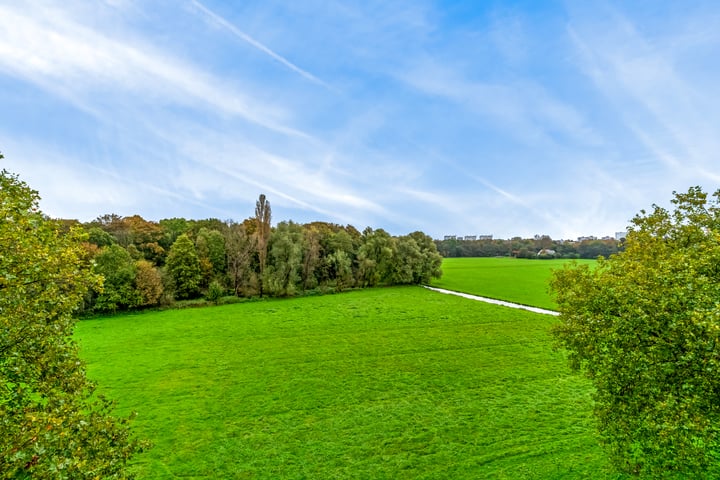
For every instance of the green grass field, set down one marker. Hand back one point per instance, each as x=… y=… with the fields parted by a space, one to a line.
x=512 y=279
x=384 y=384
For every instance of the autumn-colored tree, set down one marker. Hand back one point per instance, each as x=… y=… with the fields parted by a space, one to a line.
x=148 y=283
x=146 y=236
x=51 y=425
x=115 y=226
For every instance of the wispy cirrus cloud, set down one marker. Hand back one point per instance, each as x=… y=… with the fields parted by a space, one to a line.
x=521 y=108
x=68 y=58
x=451 y=118
x=653 y=89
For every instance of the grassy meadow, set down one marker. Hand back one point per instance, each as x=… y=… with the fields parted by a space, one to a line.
x=518 y=280
x=386 y=383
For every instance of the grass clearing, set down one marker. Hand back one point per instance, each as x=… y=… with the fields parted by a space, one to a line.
x=517 y=280
x=383 y=383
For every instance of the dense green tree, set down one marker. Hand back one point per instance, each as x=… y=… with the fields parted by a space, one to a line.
x=286 y=257
x=407 y=259
x=211 y=245
x=208 y=224
x=183 y=266
x=172 y=228
x=416 y=259
x=339 y=255
x=341 y=267
x=596 y=248
x=375 y=257
x=430 y=262
x=101 y=238
x=118 y=270
x=50 y=426
x=644 y=325
x=339 y=241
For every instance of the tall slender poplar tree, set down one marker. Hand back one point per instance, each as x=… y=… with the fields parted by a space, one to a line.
x=263 y=215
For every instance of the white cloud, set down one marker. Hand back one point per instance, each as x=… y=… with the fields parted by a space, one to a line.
x=65 y=57
x=523 y=109
x=663 y=105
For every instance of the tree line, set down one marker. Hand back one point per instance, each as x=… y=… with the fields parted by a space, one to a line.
x=538 y=247
x=146 y=263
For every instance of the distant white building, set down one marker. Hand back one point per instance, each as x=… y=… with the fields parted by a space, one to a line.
x=449 y=237
x=485 y=237
x=471 y=237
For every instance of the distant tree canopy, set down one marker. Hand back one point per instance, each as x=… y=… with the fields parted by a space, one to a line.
x=644 y=325
x=529 y=248
x=51 y=426
x=146 y=263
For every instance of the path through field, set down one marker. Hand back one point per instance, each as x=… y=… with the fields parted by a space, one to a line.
x=494 y=301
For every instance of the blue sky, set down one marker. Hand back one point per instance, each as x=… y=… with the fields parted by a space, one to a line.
x=477 y=117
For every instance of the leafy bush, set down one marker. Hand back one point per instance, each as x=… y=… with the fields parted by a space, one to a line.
x=215 y=291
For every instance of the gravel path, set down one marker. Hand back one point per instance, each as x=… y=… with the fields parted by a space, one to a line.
x=493 y=301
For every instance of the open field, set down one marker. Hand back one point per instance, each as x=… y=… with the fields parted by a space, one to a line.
x=384 y=383
x=512 y=279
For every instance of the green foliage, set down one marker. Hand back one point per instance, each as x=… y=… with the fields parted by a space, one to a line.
x=50 y=425
x=408 y=259
x=172 y=228
x=286 y=255
x=429 y=265
x=645 y=327
x=183 y=266
x=391 y=383
x=216 y=251
x=341 y=267
x=253 y=258
x=596 y=248
x=375 y=257
x=528 y=247
x=215 y=291
x=118 y=270
x=310 y=257
x=100 y=237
